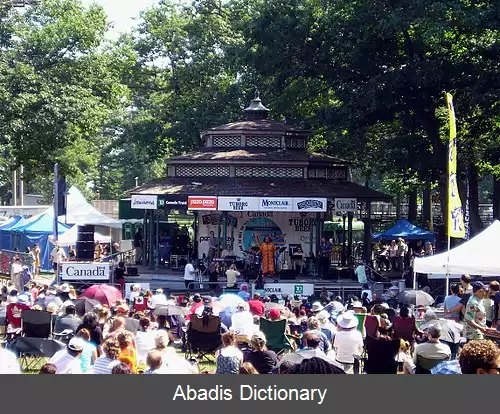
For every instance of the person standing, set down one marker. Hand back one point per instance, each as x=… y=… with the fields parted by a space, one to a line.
x=189 y=274
x=402 y=252
x=450 y=304
x=393 y=255
x=16 y=274
x=36 y=255
x=138 y=246
x=268 y=252
x=475 y=314
x=212 y=247
x=57 y=256
x=325 y=251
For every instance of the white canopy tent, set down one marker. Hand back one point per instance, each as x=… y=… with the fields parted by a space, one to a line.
x=80 y=212
x=479 y=256
x=69 y=238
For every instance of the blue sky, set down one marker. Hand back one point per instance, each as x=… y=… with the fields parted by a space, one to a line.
x=122 y=13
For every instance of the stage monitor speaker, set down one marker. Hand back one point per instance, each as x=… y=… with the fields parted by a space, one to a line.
x=132 y=271
x=288 y=274
x=85 y=246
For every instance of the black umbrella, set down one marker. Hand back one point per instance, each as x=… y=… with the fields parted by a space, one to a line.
x=170 y=310
x=84 y=305
x=415 y=297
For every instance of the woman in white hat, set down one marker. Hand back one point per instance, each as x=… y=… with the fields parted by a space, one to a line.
x=348 y=342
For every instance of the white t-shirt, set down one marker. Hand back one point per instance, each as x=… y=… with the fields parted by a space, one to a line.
x=242 y=323
x=144 y=342
x=58 y=255
x=231 y=275
x=157 y=300
x=347 y=344
x=65 y=363
x=8 y=362
x=189 y=272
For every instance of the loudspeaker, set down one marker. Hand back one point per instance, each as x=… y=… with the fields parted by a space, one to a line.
x=287 y=274
x=85 y=243
x=132 y=271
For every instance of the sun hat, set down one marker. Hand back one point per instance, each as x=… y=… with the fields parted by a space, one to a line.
x=357 y=305
x=64 y=288
x=258 y=338
x=323 y=316
x=68 y=304
x=347 y=320
x=76 y=344
x=317 y=307
x=122 y=308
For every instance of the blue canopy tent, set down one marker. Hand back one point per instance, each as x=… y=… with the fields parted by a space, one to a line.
x=38 y=231
x=407 y=231
x=5 y=231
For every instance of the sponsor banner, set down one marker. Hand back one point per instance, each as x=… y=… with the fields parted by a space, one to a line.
x=276 y=204
x=162 y=202
x=85 y=271
x=128 y=288
x=238 y=204
x=303 y=290
x=309 y=204
x=345 y=205
x=202 y=203
x=144 y=202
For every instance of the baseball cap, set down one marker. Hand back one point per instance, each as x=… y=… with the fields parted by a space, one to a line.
x=76 y=344
x=478 y=286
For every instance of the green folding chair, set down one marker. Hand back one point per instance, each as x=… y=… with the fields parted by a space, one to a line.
x=276 y=336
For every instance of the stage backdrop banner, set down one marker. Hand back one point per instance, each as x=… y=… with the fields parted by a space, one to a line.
x=248 y=229
x=303 y=290
x=238 y=204
x=74 y=271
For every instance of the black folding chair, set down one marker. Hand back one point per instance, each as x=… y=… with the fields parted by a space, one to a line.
x=203 y=336
x=35 y=343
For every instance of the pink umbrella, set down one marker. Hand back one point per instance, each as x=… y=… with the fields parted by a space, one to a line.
x=105 y=294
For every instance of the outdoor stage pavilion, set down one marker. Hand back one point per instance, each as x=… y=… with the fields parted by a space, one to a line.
x=255 y=177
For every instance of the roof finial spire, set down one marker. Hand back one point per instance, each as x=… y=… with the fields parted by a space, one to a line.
x=257 y=94
x=256 y=110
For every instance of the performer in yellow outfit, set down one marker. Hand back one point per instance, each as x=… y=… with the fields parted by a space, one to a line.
x=268 y=251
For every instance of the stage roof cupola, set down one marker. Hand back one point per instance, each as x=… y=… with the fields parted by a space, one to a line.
x=256 y=110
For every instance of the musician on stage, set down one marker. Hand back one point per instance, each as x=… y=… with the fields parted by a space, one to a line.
x=325 y=249
x=212 y=247
x=227 y=252
x=268 y=252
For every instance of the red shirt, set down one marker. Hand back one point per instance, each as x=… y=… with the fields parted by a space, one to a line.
x=14 y=311
x=256 y=307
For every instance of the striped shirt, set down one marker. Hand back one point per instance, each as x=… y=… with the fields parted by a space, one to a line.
x=104 y=365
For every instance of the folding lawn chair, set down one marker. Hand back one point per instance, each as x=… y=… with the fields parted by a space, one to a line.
x=203 y=336
x=277 y=338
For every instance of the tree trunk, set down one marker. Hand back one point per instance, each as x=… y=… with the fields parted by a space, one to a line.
x=398 y=206
x=412 y=206
x=496 y=198
x=476 y=224
x=427 y=207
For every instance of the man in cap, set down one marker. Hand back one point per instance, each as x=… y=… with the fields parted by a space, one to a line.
x=69 y=321
x=67 y=361
x=256 y=306
x=433 y=348
x=475 y=313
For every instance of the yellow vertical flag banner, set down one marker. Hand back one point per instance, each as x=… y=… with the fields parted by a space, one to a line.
x=456 y=227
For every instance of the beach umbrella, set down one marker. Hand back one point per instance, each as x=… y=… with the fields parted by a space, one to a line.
x=415 y=297
x=104 y=294
x=229 y=300
x=84 y=305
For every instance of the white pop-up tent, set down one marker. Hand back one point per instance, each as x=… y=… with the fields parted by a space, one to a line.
x=69 y=238
x=479 y=256
x=80 y=212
